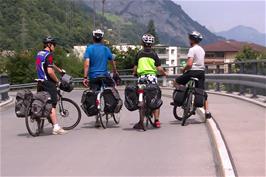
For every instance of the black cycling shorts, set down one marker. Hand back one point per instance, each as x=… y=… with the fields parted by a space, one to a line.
x=185 y=78
x=50 y=87
x=96 y=83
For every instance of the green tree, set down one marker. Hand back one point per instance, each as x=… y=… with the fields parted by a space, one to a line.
x=248 y=54
x=152 y=30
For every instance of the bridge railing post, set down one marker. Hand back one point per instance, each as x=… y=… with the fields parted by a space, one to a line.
x=206 y=83
x=254 y=71
x=218 y=86
x=241 y=87
x=230 y=86
x=3 y=81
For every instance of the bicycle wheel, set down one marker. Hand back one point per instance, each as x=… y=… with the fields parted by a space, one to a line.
x=33 y=124
x=102 y=116
x=69 y=114
x=116 y=117
x=187 y=108
x=178 y=112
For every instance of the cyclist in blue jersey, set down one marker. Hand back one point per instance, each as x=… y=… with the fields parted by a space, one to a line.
x=46 y=73
x=96 y=60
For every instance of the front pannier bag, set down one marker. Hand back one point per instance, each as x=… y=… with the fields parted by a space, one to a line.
x=131 y=98
x=66 y=84
x=41 y=105
x=179 y=95
x=23 y=101
x=199 y=98
x=152 y=96
x=88 y=103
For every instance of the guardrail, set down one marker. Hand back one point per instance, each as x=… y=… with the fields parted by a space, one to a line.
x=4 y=88
x=220 y=78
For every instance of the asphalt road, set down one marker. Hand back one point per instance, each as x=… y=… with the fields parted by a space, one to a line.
x=117 y=151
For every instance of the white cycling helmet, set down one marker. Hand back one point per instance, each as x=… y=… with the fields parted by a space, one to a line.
x=196 y=36
x=148 y=39
x=98 y=34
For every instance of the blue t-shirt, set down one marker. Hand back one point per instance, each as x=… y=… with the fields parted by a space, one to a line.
x=99 y=55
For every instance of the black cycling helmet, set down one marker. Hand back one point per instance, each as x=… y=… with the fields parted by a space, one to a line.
x=49 y=39
x=195 y=36
x=98 y=34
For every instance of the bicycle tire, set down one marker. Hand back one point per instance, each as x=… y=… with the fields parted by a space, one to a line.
x=28 y=120
x=77 y=118
x=180 y=118
x=187 y=109
x=102 y=115
x=116 y=117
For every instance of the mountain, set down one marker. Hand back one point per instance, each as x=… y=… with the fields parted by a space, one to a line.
x=171 y=22
x=244 y=33
x=24 y=23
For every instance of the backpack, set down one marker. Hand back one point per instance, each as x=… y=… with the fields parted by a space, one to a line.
x=112 y=100
x=199 y=97
x=67 y=84
x=41 y=105
x=152 y=96
x=23 y=101
x=131 y=98
x=179 y=95
x=88 y=103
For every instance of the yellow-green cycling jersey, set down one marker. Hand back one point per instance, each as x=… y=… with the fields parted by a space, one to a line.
x=147 y=62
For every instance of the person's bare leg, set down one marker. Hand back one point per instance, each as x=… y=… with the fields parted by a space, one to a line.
x=53 y=116
x=206 y=108
x=156 y=114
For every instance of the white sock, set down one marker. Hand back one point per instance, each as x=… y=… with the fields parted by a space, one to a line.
x=56 y=126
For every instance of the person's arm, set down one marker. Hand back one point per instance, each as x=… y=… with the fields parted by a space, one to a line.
x=188 y=65
x=190 y=59
x=52 y=74
x=161 y=70
x=159 y=65
x=86 y=71
x=113 y=64
x=135 y=70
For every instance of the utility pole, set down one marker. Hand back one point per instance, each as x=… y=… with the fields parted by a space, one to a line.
x=94 y=15
x=23 y=32
x=103 y=2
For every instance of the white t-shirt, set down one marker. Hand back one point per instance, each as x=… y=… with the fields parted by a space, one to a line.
x=198 y=55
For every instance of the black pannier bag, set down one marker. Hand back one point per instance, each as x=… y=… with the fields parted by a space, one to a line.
x=23 y=100
x=179 y=95
x=131 y=98
x=199 y=97
x=152 y=96
x=88 y=103
x=66 y=84
x=41 y=105
x=112 y=100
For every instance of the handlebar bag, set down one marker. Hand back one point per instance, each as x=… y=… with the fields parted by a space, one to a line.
x=67 y=84
x=23 y=100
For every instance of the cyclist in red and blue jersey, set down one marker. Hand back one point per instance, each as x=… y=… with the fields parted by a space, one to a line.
x=45 y=70
x=96 y=60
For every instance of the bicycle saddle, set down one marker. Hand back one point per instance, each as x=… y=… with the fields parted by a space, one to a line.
x=38 y=80
x=195 y=79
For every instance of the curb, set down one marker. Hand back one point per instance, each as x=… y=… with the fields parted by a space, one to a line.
x=10 y=100
x=239 y=97
x=225 y=165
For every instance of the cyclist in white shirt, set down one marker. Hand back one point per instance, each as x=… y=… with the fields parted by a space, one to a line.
x=195 y=66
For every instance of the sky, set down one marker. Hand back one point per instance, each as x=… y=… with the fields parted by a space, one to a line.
x=221 y=15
